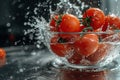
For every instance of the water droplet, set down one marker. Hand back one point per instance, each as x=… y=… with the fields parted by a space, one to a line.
x=116 y=0
x=9 y=30
x=8 y=24
x=33 y=53
x=21 y=70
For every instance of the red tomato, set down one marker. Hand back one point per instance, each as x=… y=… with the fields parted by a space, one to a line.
x=93 y=17
x=87 y=45
x=2 y=53
x=105 y=26
x=75 y=58
x=101 y=52
x=69 y=23
x=60 y=49
x=114 y=22
x=53 y=23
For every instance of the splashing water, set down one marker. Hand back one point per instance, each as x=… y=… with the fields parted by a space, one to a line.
x=41 y=24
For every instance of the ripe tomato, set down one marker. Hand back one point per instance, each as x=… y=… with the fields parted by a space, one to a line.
x=101 y=52
x=93 y=17
x=60 y=49
x=105 y=26
x=2 y=53
x=87 y=45
x=69 y=23
x=114 y=22
x=53 y=23
x=75 y=58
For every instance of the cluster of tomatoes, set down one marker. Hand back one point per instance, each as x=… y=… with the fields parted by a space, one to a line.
x=82 y=46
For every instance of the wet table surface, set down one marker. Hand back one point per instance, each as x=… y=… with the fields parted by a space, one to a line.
x=27 y=63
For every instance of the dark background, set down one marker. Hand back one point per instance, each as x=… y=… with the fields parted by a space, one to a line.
x=12 y=18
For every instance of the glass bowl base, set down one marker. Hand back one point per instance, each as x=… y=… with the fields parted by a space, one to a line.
x=57 y=63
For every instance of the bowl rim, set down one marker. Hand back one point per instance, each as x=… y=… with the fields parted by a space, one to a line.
x=101 y=32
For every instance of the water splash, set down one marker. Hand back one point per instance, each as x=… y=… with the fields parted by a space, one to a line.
x=40 y=23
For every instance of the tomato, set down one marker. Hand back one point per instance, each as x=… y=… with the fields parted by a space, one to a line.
x=2 y=53
x=87 y=45
x=66 y=23
x=53 y=23
x=93 y=17
x=114 y=22
x=105 y=26
x=101 y=52
x=69 y=23
x=75 y=58
x=59 y=48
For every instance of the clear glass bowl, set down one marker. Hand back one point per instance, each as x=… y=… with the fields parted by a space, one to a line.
x=63 y=46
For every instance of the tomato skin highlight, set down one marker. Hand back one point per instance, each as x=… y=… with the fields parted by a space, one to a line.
x=96 y=16
x=69 y=23
x=87 y=45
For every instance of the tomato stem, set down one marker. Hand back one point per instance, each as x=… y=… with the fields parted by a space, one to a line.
x=59 y=19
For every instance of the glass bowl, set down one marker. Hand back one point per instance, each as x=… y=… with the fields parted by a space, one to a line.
x=80 y=50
